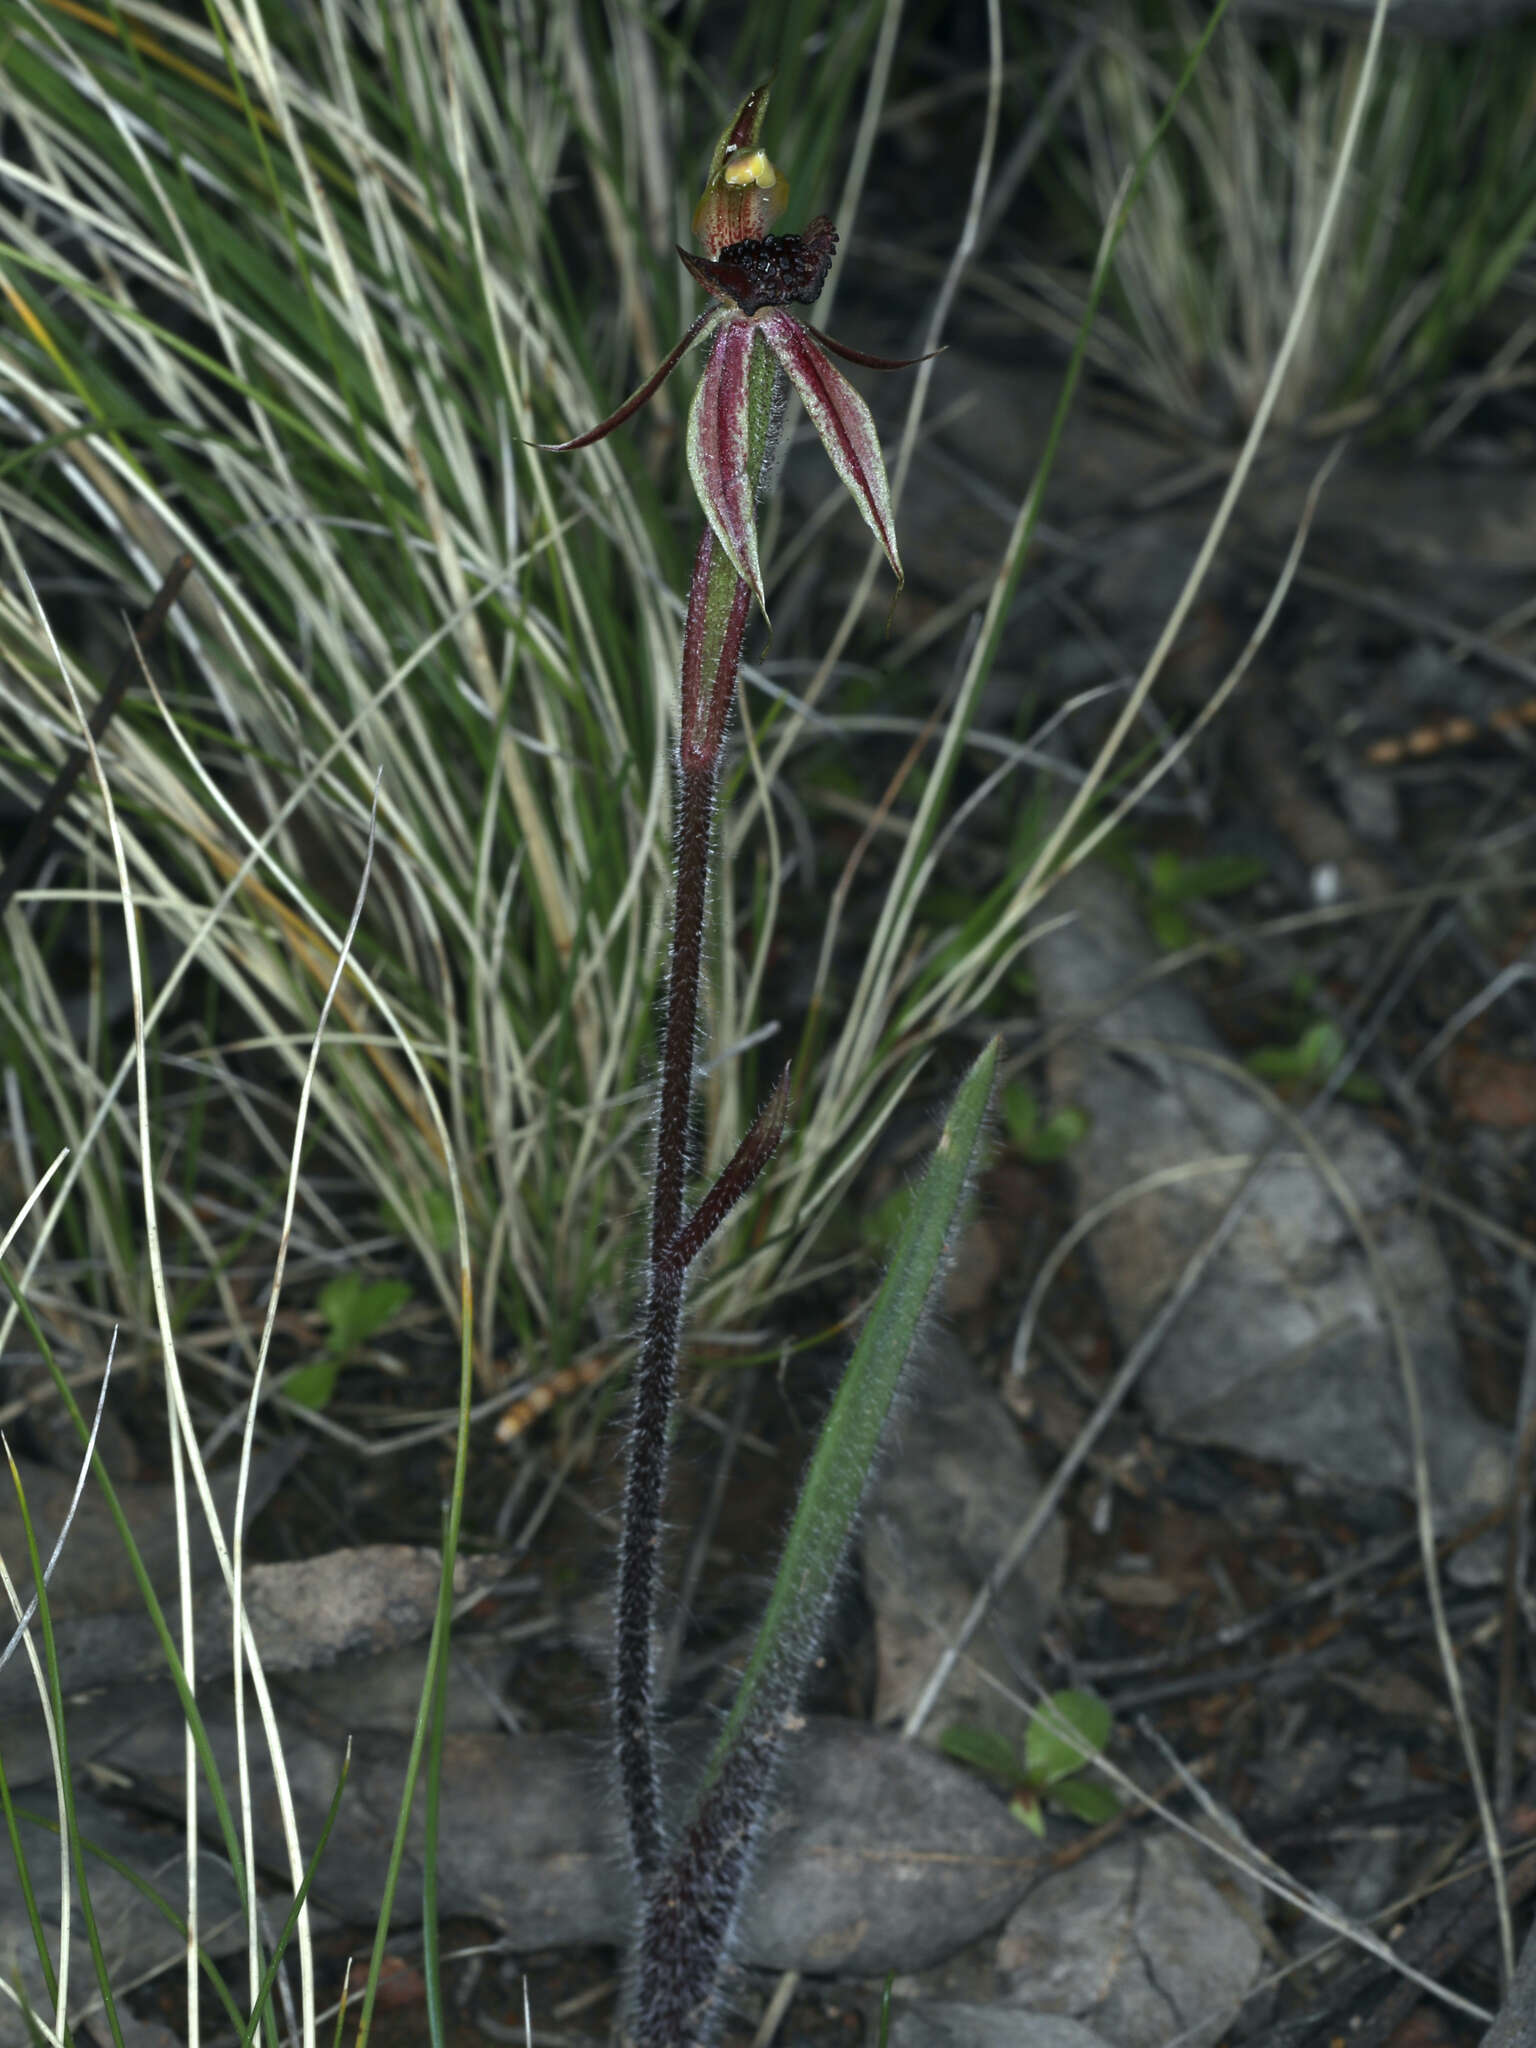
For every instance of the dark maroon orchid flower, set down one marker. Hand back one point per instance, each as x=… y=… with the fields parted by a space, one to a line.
x=752 y=276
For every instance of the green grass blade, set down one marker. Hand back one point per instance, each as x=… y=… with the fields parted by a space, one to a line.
x=269 y=1975
x=24 y=1881
x=427 y=1735
x=850 y=1438
x=66 y=1783
x=46 y=1823
x=431 y=1937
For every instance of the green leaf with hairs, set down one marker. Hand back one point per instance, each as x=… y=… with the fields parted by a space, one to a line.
x=850 y=1437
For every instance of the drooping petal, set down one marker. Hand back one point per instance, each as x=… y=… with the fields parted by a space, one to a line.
x=726 y=436
x=711 y=315
x=861 y=356
x=842 y=420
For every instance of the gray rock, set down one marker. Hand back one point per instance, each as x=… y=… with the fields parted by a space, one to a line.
x=309 y=1614
x=959 y=1481
x=93 y=1575
x=985 y=2026
x=880 y=1856
x=135 y=1937
x=1284 y=1350
x=1515 y=2026
x=876 y=1854
x=316 y=1620
x=1145 y=1940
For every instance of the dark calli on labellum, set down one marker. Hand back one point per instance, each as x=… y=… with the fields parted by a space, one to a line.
x=769 y=270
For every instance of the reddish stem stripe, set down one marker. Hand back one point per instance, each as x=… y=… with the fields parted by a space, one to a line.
x=707 y=698
x=708 y=688
x=736 y=1179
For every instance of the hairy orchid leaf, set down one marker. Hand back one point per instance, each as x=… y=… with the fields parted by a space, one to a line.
x=692 y=1902
x=850 y=1438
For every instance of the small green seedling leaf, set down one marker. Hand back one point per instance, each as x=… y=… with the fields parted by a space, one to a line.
x=1086 y=1799
x=1053 y=1761
x=983 y=1751
x=1311 y=1060
x=1313 y=1057
x=1173 y=881
x=313 y=1385
x=1170 y=927
x=1319 y=1050
x=1041 y=1143
x=1067 y=1127
x=354 y=1309
x=357 y=1309
x=1049 y=1755
x=1163 y=873
x=1223 y=874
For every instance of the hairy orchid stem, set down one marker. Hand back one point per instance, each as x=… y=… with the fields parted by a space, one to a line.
x=690 y=1887
x=718 y=607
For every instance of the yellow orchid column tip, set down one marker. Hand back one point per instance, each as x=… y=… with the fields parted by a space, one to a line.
x=744 y=195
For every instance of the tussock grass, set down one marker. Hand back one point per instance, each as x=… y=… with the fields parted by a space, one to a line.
x=1436 y=215
x=289 y=292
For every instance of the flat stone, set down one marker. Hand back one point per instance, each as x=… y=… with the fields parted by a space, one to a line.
x=943 y=1509
x=1285 y=1348
x=1148 y=1939
x=986 y=2026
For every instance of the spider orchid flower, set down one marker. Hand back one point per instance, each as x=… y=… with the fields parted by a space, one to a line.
x=752 y=278
x=691 y=1873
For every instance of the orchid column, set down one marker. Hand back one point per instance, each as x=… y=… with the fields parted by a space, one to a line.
x=754 y=346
